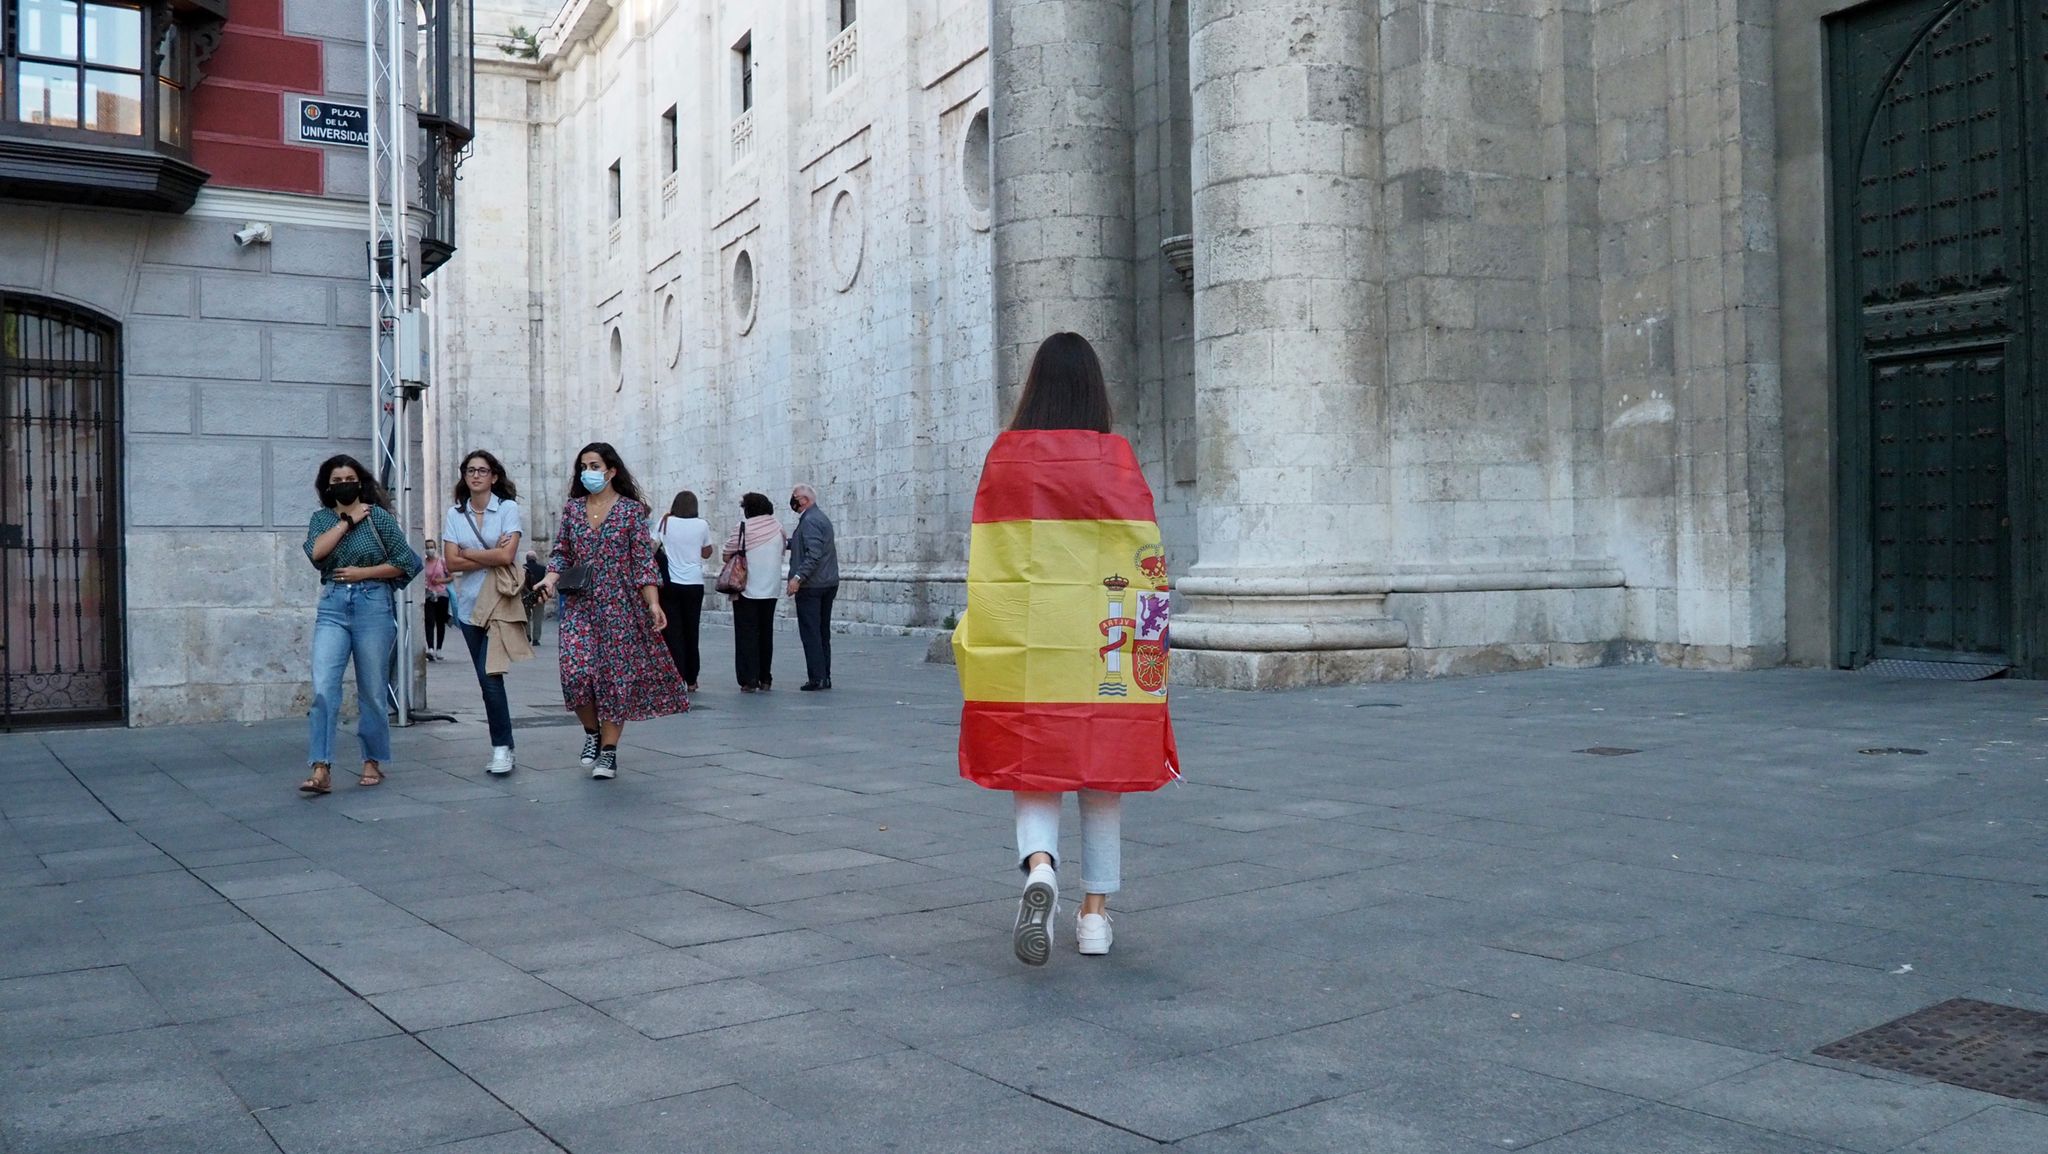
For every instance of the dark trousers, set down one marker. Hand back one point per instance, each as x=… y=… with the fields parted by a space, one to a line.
x=684 y=605
x=497 y=711
x=753 y=640
x=814 y=627
x=437 y=622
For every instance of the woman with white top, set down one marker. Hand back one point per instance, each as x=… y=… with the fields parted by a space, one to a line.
x=686 y=539
x=481 y=533
x=760 y=535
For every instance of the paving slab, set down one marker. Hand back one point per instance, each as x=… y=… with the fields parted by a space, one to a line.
x=1408 y=917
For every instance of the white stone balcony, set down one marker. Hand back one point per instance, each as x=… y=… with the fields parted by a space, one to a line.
x=743 y=136
x=668 y=195
x=842 y=58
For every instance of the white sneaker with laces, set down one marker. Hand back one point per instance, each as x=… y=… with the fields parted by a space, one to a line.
x=501 y=761
x=1092 y=934
x=1032 y=939
x=607 y=765
x=589 y=756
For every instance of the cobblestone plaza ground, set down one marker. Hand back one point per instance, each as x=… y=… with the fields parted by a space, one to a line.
x=1412 y=918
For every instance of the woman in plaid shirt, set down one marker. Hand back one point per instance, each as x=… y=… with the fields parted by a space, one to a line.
x=363 y=558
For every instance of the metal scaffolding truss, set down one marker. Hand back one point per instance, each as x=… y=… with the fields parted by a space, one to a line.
x=394 y=295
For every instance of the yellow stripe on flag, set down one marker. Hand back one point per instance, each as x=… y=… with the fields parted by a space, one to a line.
x=1036 y=603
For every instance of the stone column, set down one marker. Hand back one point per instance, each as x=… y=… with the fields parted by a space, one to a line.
x=1293 y=519
x=1060 y=110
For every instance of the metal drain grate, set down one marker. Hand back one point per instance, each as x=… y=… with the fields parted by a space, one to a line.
x=1931 y=670
x=1976 y=1045
x=1608 y=751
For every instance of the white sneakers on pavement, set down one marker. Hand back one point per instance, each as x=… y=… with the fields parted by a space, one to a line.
x=1032 y=938
x=501 y=761
x=1092 y=935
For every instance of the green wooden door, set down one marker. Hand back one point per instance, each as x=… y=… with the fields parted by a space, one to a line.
x=1936 y=417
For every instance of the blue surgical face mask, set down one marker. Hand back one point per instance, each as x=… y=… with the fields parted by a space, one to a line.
x=593 y=481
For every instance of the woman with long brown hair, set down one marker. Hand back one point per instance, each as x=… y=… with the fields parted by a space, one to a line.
x=363 y=558
x=615 y=668
x=1064 y=555
x=481 y=533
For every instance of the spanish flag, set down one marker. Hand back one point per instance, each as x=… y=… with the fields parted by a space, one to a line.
x=1062 y=652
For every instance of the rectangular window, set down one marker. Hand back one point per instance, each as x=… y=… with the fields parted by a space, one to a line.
x=743 y=62
x=78 y=64
x=844 y=13
x=671 y=144
x=615 y=192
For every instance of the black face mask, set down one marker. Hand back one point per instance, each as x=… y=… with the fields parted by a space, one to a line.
x=794 y=507
x=345 y=492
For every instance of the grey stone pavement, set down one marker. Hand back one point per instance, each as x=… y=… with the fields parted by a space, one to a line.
x=1404 y=918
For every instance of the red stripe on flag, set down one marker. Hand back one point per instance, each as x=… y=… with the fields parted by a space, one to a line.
x=1062 y=475
x=1070 y=745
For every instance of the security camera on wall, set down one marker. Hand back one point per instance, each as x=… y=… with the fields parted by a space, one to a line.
x=255 y=232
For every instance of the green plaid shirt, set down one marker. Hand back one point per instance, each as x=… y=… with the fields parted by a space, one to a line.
x=378 y=540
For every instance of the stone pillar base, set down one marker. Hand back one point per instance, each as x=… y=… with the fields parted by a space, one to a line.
x=1287 y=669
x=1263 y=631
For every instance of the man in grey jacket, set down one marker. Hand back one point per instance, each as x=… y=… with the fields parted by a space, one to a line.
x=814 y=582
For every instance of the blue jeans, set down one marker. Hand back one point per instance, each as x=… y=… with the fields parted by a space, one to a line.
x=1102 y=856
x=353 y=621
x=497 y=711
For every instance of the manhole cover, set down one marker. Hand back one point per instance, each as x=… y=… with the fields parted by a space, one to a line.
x=1608 y=751
x=1976 y=1045
x=1890 y=750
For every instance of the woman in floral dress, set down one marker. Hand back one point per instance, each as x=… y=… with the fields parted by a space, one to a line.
x=615 y=666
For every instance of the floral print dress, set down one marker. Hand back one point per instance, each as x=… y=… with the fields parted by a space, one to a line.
x=611 y=655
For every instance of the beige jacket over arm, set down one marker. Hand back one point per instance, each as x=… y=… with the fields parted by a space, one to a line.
x=502 y=612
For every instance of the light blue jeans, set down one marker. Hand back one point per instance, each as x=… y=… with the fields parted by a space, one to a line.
x=1038 y=831
x=353 y=621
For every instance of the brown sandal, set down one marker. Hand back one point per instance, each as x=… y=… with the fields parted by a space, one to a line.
x=371 y=776
x=321 y=782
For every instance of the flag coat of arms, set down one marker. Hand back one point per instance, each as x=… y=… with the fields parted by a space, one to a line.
x=1064 y=648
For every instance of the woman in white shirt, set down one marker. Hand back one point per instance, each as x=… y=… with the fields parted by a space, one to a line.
x=753 y=611
x=481 y=533
x=686 y=539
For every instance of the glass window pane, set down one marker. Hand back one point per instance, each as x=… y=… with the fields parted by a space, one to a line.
x=47 y=94
x=113 y=102
x=49 y=28
x=113 y=35
x=170 y=113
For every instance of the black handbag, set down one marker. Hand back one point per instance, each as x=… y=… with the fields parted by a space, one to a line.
x=576 y=580
x=661 y=557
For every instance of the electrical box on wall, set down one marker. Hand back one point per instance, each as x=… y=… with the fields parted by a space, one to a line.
x=411 y=347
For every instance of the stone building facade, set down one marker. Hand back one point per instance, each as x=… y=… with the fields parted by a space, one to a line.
x=1455 y=336
x=170 y=387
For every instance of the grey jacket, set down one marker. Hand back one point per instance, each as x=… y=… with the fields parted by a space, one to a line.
x=813 y=556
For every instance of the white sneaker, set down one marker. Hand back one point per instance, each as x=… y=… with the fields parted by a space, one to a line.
x=606 y=767
x=501 y=760
x=1032 y=939
x=1092 y=934
x=590 y=750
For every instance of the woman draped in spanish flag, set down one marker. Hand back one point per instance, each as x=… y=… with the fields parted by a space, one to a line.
x=1062 y=651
